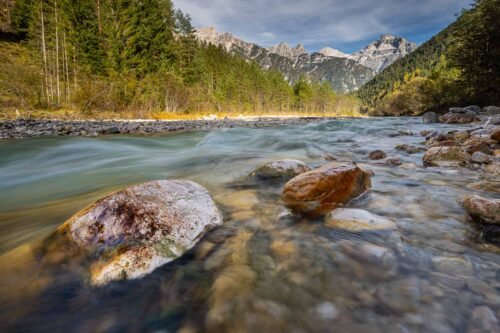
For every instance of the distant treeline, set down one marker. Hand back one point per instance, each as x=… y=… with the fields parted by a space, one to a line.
x=136 y=56
x=460 y=65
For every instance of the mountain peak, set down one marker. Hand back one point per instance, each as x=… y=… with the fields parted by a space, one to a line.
x=285 y=50
x=381 y=53
x=331 y=52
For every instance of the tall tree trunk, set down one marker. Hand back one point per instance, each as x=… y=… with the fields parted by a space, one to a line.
x=66 y=69
x=58 y=86
x=74 y=68
x=99 y=16
x=44 y=53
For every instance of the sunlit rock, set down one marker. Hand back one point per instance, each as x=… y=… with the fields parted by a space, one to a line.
x=475 y=144
x=319 y=191
x=358 y=220
x=142 y=227
x=446 y=157
x=458 y=118
x=482 y=210
x=280 y=170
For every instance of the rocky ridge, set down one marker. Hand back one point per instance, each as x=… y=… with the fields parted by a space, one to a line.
x=345 y=72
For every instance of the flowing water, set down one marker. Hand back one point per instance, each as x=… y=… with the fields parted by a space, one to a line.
x=262 y=271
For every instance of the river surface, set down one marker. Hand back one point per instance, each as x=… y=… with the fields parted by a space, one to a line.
x=261 y=271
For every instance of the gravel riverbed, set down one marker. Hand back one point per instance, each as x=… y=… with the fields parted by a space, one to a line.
x=24 y=128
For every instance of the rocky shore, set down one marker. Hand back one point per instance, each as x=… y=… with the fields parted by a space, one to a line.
x=25 y=128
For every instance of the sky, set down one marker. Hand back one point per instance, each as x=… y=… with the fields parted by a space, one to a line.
x=347 y=25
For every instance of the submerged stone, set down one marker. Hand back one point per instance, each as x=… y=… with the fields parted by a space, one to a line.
x=142 y=227
x=358 y=220
x=319 y=191
x=377 y=155
x=409 y=148
x=280 y=170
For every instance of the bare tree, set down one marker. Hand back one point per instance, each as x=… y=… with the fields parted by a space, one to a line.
x=58 y=87
x=44 y=53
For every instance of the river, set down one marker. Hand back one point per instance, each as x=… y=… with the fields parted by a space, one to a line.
x=260 y=271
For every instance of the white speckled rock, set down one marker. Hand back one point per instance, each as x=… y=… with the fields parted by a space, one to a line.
x=358 y=220
x=143 y=227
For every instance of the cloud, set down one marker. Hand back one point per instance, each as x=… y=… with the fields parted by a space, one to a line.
x=342 y=24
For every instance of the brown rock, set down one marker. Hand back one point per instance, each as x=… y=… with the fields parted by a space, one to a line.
x=377 y=155
x=478 y=144
x=482 y=210
x=488 y=186
x=320 y=190
x=445 y=157
x=458 y=118
x=496 y=136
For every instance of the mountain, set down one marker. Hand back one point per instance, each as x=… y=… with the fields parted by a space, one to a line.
x=284 y=50
x=425 y=59
x=383 y=52
x=345 y=72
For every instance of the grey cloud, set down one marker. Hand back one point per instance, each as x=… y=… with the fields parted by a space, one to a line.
x=317 y=23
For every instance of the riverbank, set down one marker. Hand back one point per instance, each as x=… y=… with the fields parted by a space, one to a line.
x=24 y=128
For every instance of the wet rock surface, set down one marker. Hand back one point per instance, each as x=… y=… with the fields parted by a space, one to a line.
x=482 y=210
x=446 y=157
x=320 y=190
x=280 y=170
x=142 y=227
x=358 y=220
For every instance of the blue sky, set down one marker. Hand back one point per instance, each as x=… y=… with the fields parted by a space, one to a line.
x=347 y=25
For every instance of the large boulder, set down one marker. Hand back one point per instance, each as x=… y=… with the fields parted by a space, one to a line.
x=430 y=117
x=319 y=191
x=358 y=220
x=482 y=210
x=280 y=170
x=446 y=157
x=142 y=227
x=458 y=118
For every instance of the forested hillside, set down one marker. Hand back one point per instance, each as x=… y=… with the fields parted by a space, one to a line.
x=458 y=66
x=135 y=58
